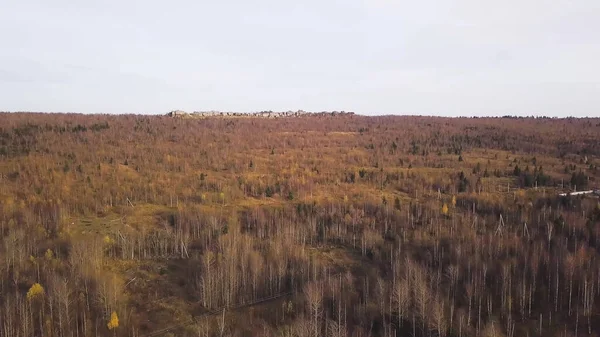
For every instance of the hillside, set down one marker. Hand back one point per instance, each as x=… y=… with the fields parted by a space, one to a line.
x=321 y=225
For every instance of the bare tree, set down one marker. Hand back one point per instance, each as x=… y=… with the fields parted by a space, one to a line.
x=314 y=296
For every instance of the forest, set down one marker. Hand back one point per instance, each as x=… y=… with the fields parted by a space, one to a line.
x=312 y=225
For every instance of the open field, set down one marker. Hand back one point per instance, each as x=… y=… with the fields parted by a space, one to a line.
x=322 y=225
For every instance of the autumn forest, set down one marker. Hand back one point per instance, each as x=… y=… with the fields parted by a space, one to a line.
x=311 y=225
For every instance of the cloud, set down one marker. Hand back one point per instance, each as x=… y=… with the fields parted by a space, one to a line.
x=385 y=55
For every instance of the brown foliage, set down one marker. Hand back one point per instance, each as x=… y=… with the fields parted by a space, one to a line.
x=315 y=225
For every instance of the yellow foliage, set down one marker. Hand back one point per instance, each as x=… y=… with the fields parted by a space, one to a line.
x=36 y=290
x=114 y=321
x=41 y=231
x=445 y=209
x=49 y=254
x=8 y=205
x=453 y=201
x=107 y=240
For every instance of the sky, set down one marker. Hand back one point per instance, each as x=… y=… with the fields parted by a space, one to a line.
x=448 y=58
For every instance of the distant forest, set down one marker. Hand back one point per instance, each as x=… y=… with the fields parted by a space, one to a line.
x=325 y=225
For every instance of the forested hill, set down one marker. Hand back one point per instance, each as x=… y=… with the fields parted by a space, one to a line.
x=345 y=225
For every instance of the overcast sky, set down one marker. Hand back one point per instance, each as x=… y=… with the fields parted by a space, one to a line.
x=459 y=57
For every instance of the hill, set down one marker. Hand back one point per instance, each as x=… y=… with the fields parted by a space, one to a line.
x=320 y=225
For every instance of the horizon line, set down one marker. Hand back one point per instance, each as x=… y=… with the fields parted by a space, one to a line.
x=343 y=112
